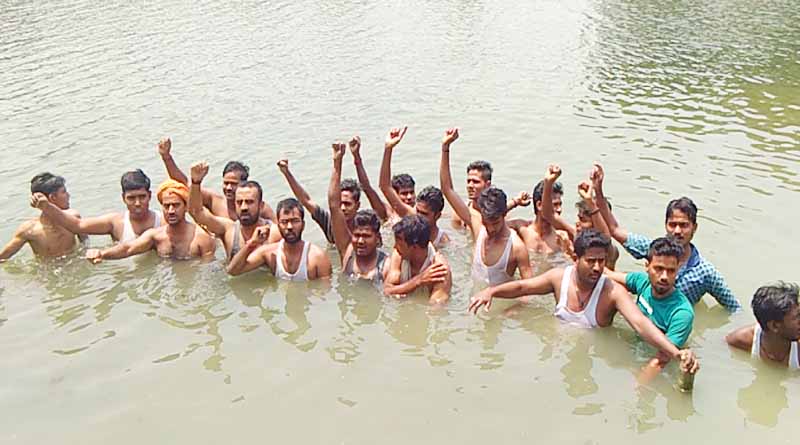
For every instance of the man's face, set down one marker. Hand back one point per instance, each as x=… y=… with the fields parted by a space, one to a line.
x=365 y=240
x=789 y=327
x=405 y=250
x=291 y=225
x=557 y=204
x=476 y=184
x=407 y=195
x=173 y=208
x=424 y=210
x=493 y=226
x=681 y=227
x=590 y=266
x=584 y=222
x=60 y=198
x=662 y=271
x=137 y=201
x=248 y=205
x=349 y=205
x=230 y=182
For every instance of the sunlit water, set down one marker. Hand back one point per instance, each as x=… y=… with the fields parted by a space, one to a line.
x=675 y=98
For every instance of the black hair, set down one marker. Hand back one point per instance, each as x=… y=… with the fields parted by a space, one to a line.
x=254 y=185
x=402 y=181
x=134 y=180
x=413 y=230
x=350 y=185
x=772 y=302
x=367 y=218
x=538 y=192
x=588 y=239
x=665 y=246
x=433 y=197
x=484 y=167
x=47 y=183
x=236 y=166
x=287 y=205
x=685 y=205
x=492 y=203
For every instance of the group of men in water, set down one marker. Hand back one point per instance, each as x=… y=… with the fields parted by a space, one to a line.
x=588 y=293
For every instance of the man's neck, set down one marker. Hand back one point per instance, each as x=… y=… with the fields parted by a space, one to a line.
x=775 y=346
x=179 y=229
x=293 y=248
x=541 y=226
x=366 y=259
x=687 y=253
x=45 y=221
x=142 y=217
x=500 y=234
x=416 y=260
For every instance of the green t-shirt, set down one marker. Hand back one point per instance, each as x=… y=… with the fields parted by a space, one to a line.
x=672 y=314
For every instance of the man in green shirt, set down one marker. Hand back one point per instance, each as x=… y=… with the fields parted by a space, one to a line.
x=657 y=298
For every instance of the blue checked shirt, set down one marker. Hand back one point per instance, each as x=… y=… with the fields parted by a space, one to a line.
x=696 y=277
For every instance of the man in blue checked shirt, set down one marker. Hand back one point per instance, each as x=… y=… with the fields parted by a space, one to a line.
x=696 y=276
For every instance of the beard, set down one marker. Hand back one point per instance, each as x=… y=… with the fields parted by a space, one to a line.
x=291 y=237
x=248 y=219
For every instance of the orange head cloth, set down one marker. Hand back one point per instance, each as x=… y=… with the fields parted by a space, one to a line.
x=172 y=186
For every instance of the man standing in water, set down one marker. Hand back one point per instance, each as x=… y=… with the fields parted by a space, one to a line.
x=696 y=276
x=538 y=234
x=415 y=264
x=178 y=239
x=498 y=250
x=46 y=238
x=429 y=203
x=291 y=258
x=776 y=336
x=588 y=214
x=584 y=297
x=351 y=201
x=121 y=226
x=358 y=249
x=233 y=234
x=233 y=174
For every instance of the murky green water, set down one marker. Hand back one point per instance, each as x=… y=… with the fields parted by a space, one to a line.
x=694 y=98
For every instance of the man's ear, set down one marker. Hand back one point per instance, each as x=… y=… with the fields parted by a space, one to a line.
x=773 y=325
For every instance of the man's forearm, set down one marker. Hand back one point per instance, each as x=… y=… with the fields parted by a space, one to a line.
x=172 y=169
x=403 y=288
x=299 y=192
x=239 y=261
x=375 y=200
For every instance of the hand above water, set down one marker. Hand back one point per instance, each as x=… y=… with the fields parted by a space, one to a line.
x=94 y=256
x=39 y=200
x=553 y=173
x=355 y=146
x=164 y=147
x=338 y=151
x=199 y=170
x=283 y=166
x=394 y=137
x=450 y=136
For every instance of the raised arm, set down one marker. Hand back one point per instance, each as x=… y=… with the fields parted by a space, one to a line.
x=174 y=172
x=99 y=225
x=341 y=234
x=649 y=332
x=548 y=212
x=374 y=198
x=617 y=232
x=585 y=190
x=17 y=241
x=252 y=255
x=385 y=182
x=539 y=285
x=142 y=244
x=216 y=225
x=297 y=190
x=522 y=200
x=446 y=182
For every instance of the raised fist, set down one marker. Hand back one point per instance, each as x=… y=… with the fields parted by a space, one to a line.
x=338 y=150
x=164 y=147
x=283 y=166
x=585 y=190
x=355 y=146
x=39 y=200
x=395 y=136
x=553 y=172
x=199 y=170
x=450 y=136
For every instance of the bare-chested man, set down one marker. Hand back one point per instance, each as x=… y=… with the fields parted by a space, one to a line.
x=233 y=174
x=429 y=203
x=776 y=336
x=588 y=214
x=416 y=266
x=234 y=234
x=499 y=252
x=290 y=259
x=46 y=238
x=121 y=226
x=586 y=298
x=538 y=234
x=351 y=201
x=178 y=239
x=358 y=248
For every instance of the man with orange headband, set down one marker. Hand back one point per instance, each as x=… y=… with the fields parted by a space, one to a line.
x=233 y=174
x=179 y=239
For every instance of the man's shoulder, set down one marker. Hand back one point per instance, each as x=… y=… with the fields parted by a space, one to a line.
x=28 y=228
